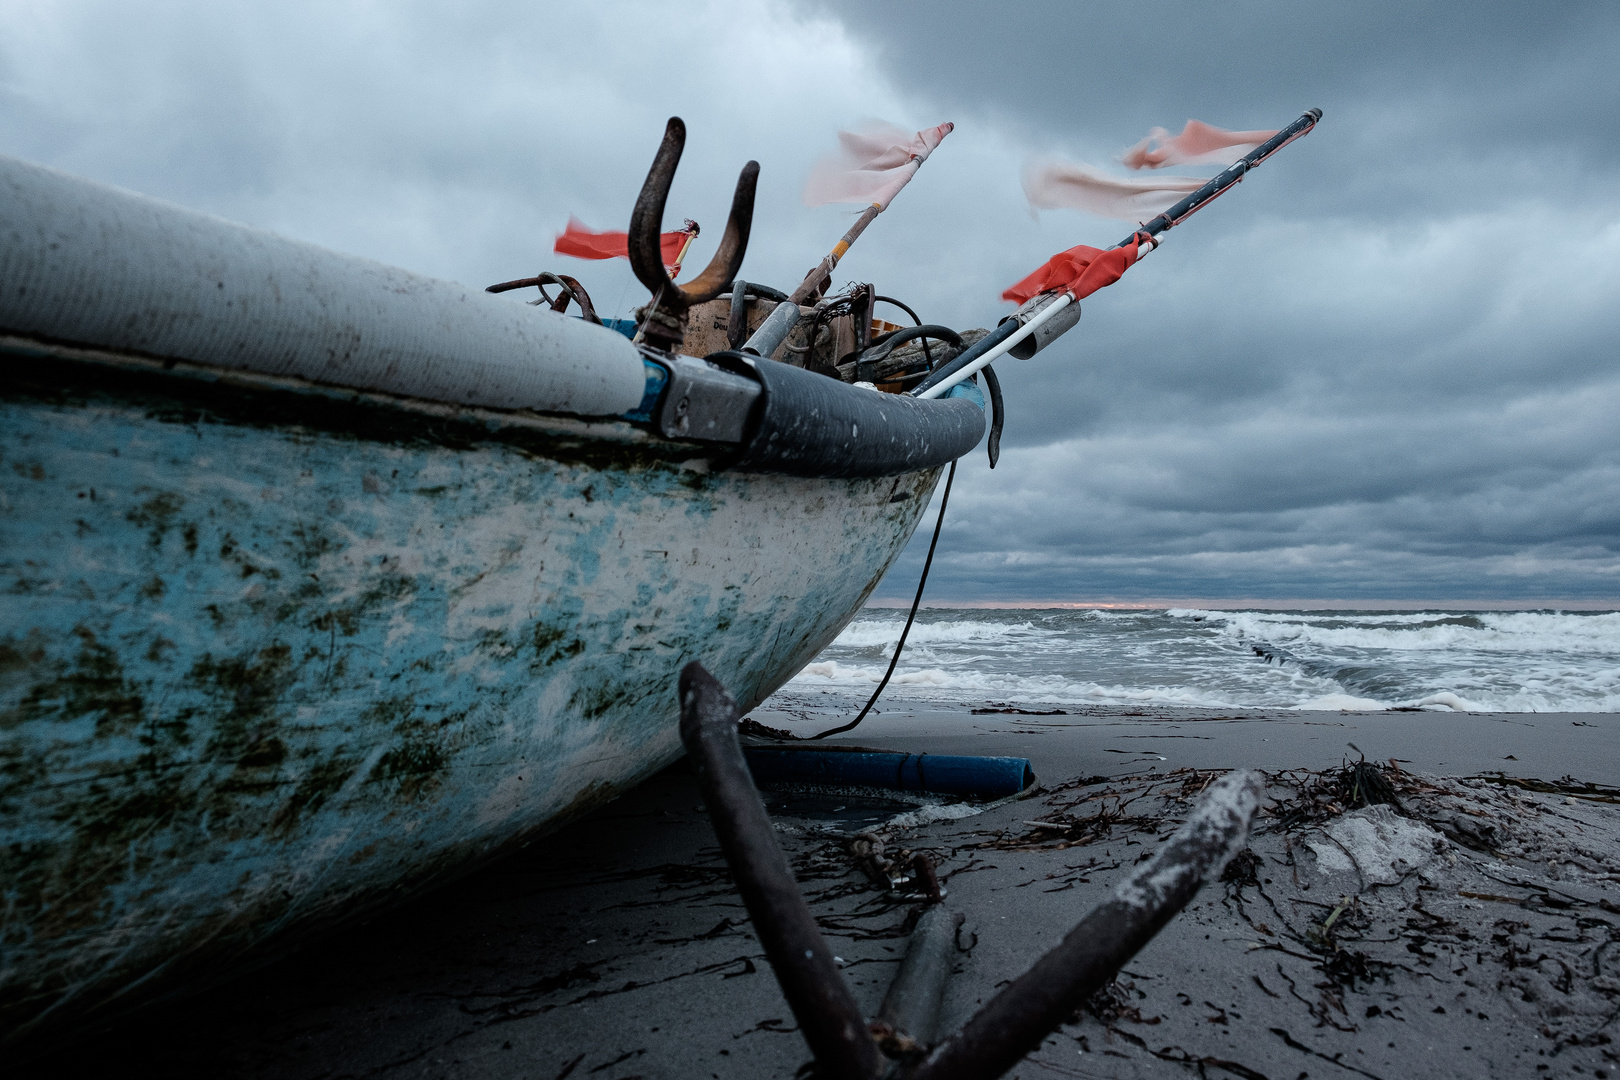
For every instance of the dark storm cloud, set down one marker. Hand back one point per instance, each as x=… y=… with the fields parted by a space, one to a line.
x=1385 y=366
x=1472 y=85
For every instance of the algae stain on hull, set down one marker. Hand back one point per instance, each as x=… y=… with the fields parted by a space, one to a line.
x=257 y=677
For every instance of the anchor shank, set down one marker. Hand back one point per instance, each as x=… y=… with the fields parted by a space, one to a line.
x=828 y=1017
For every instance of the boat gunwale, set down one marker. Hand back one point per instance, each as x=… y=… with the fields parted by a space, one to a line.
x=190 y=379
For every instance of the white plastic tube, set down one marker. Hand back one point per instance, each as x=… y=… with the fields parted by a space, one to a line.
x=1000 y=350
x=90 y=265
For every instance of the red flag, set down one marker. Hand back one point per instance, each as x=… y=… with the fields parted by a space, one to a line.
x=1080 y=270
x=584 y=243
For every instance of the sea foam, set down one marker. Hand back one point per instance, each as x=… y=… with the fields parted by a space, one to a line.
x=1442 y=660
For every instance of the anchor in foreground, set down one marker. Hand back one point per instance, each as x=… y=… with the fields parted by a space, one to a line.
x=901 y=1042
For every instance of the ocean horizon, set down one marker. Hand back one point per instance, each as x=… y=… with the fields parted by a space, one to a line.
x=1607 y=604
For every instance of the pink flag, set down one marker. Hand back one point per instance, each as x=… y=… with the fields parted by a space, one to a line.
x=1056 y=184
x=871 y=166
x=1199 y=143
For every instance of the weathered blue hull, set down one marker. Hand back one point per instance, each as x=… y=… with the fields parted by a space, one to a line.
x=272 y=654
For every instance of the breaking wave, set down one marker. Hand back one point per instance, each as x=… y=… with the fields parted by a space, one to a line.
x=1495 y=632
x=1010 y=688
x=865 y=633
x=1459 y=661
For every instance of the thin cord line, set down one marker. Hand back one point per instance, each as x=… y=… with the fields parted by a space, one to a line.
x=938 y=524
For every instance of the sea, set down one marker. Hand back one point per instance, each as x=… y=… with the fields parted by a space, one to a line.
x=1466 y=661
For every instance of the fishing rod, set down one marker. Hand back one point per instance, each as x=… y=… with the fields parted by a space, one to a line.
x=1022 y=324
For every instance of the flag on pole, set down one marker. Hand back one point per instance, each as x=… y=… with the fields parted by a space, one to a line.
x=1077 y=186
x=1053 y=184
x=584 y=243
x=872 y=165
x=1198 y=144
x=1081 y=271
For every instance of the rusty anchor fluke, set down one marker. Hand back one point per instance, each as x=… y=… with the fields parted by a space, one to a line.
x=666 y=312
x=899 y=1044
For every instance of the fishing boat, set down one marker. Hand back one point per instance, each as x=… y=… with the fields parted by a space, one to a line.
x=325 y=582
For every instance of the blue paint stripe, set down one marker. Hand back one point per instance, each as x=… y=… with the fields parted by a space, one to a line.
x=657 y=379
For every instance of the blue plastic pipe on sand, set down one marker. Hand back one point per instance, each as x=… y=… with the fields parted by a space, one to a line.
x=939 y=774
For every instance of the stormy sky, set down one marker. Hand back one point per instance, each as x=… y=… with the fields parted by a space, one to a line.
x=1386 y=368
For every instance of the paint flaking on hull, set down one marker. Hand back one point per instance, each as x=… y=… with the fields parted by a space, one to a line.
x=273 y=657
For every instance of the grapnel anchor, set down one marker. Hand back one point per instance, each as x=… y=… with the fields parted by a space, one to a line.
x=900 y=1043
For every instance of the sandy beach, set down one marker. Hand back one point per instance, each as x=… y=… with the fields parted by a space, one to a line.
x=1464 y=930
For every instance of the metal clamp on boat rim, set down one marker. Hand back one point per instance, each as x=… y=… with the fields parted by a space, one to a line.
x=992 y=346
x=666 y=311
x=705 y=402
x=1048 y=331
x=1009 y=1025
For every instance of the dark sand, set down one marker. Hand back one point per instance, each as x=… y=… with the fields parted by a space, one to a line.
x=1473 y=935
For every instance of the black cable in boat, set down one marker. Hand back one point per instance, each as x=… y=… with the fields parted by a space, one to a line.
x=928 y=562
x=899 y=304
x=876 y=300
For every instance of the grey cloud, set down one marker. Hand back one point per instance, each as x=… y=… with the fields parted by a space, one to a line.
x=1476 y=78
x=1385 y=366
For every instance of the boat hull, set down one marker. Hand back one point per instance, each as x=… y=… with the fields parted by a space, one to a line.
x=274 y=655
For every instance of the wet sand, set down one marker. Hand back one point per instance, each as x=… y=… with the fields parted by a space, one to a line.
x=1107 y=740
x=1473 y=934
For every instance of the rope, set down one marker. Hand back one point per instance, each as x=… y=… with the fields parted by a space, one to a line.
x=938 y=523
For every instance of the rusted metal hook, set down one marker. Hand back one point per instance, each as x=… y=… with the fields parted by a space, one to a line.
x=663 y=324
x=570 y=289
x=1012 y=1023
